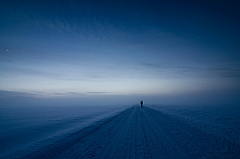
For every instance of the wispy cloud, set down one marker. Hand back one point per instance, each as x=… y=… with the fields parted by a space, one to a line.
x=10 y=94
x=38 y=94
x=101 y=92
x=42 y=74
x=224 y=72
x=181 y=70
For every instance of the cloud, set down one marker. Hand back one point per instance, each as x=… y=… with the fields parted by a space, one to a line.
x=4 y=94
x=225 y=73
x=11 y=94
x=100 y=92
x=181 y=70
x=13 y=70
x=171 y=70
x=39 y=94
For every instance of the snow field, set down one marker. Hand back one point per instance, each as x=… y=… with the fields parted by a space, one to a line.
x=140 y=133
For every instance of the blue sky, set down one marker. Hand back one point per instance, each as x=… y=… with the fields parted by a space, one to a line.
x=91 y=52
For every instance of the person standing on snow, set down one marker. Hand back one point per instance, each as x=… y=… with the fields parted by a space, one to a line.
x=141 y=103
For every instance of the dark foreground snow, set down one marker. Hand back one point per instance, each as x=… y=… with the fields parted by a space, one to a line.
x=140 y=133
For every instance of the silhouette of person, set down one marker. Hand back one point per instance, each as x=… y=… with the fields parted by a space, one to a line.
x=141 y=103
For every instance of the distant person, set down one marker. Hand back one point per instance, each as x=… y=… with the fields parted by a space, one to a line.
x=141 y=103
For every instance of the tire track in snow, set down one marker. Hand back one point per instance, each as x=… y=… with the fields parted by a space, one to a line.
x=140 y=133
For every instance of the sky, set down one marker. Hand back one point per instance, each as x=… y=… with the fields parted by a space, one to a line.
x=90 y=52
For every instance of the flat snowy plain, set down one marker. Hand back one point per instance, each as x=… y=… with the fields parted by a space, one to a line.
x=121 y=132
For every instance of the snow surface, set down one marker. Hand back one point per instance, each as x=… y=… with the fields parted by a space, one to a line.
x=148 y=132
x=219 y=120
x=25 y=130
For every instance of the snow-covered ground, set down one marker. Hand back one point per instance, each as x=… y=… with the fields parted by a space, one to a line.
x=25 y=130
x=219 y=120
x=121 y=132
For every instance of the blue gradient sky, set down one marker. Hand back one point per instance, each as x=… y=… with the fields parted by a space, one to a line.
x=91 y=52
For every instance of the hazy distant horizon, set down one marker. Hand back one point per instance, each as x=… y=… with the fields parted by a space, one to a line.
x=111 y=100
